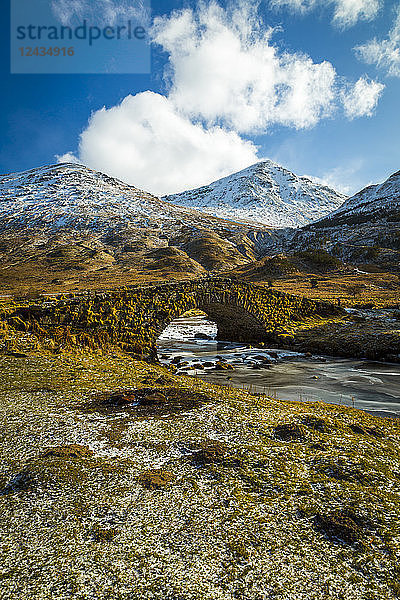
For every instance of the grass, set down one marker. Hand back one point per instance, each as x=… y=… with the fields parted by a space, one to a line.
x=239 y=496
x=378 y=289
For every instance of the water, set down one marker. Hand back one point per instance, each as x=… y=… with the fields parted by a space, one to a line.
x=367 y=385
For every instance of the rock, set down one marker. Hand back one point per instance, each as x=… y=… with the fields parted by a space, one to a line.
x=122 y=398
x=176 y=360
x=198 y=366
x=273 y=354
x=152 y=399
x=223 y=366
x=202 y=336
x=208 y=364
x=307 y=355
x=289 y=432
x=156 y=479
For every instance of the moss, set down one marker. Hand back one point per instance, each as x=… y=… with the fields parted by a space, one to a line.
x=366 y=430
x=317 y=424
x=343 y=469
x=144 y=402
x=156 y=479
x=290 y=432
x=223 y=366
x=241 y=515
x=102 y=534
x=69 y=451
x=133 y=319
x=338 y=526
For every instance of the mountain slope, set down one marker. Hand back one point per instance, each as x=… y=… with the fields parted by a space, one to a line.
x=66 y=223
x=372 y=204
x=365 y=230
x=75 y=197
x=263 y=193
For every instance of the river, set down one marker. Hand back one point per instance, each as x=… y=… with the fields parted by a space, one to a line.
x=366 y=385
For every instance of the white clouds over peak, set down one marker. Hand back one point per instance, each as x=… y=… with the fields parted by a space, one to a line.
x=145 y=141
x=384 y=53
x=226 y=79
x=346 y=12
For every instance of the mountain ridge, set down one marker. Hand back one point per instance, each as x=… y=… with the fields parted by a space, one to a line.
x=266 y=193
x=369 y=204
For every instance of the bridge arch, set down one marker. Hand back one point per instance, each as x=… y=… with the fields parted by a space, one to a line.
x=233 y=322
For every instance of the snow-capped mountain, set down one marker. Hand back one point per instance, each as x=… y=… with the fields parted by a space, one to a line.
x=80 y=219
x=74 y=197
x=264 y=193
x=373 y=204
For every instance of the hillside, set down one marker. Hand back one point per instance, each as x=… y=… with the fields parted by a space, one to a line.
x=365 y=230
x=373 y=204
x=264 y=193
x=66 y=226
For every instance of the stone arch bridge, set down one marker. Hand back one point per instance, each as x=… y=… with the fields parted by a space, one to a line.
x=132 y=318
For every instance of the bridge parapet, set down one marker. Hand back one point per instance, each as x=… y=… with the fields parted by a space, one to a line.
x=132 y=318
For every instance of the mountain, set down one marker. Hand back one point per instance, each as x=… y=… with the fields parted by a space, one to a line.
x=70 y=196
x=365 y=230
x=73 y=226
x=264 y=193
x=373 y=204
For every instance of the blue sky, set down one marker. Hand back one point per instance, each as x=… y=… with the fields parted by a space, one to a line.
x=301 y=95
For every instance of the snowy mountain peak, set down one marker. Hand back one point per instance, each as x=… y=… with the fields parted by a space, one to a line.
x=71 y=197
x=264 y=193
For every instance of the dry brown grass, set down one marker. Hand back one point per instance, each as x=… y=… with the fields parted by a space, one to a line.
x=381 y=289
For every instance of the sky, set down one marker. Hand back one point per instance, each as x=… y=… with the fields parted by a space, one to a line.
x=311 y=84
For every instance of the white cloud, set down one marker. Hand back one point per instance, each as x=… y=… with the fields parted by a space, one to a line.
x=384 y=53
x=343 y=178
x=146 y=142
x=224 y=68
x=68 y=157
x=362 y=99
x=346 y=12
x=226 y=79
x=349 y=12
x=107 y=12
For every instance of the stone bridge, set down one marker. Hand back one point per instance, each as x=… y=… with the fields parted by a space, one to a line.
x=132 y=318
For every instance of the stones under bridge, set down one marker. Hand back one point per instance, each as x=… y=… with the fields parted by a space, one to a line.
x=133 y=318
